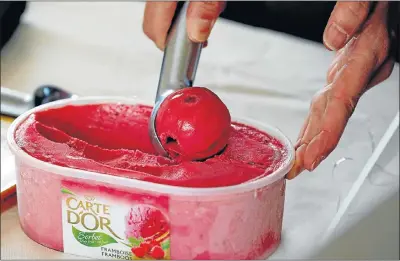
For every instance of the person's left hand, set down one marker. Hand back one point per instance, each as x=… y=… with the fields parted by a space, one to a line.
x=361 y=39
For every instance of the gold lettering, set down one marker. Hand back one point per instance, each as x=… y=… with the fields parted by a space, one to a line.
x=88 y=205
x=84 y=221
x=97 y=207
x=69 y=203
x=105 y=223
x=106 y=210
x=80 y=205
x=70 y=215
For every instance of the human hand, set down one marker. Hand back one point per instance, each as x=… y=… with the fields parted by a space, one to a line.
x=201 y=17
x=359 y=34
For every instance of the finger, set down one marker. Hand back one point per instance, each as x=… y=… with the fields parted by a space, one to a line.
x=375 y=30
x=317 y=110
x=339 y=53
x=201 y=17
x=157 y=20
x=298 y=163
x=332 y=72
x=335 y=65
x=301 y=134
x=337 y=112
x=384 y=71
x=345 y=20
x=340 y=60
x=376 y=33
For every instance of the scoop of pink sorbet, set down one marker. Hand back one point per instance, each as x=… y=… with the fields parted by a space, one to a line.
x=193 y=124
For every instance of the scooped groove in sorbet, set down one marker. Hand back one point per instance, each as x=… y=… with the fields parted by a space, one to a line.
x=113 y=139
x=193 y=124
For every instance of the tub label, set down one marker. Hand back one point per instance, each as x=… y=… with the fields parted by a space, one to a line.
x=100 y=222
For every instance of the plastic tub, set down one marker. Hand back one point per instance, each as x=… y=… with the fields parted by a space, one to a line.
x=92 y=214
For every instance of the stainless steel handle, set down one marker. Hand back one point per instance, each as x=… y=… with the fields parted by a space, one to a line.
x=14 y=103
x=14 y=95
x=181 y=57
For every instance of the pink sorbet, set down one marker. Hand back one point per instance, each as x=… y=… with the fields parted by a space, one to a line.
x=113 y=139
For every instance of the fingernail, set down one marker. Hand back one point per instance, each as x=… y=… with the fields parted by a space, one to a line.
x=298 y=163
x=335 y=37
x=317 y=162
x=160 y=45
x=295 y=171
x=200 y=29
x=297 y=144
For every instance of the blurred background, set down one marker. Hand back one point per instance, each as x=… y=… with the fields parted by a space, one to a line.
x=302 y=19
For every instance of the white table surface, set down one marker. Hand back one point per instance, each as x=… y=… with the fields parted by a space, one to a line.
x=99 y=49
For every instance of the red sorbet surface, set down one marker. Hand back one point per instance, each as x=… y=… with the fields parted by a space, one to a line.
x=113 y=139
x=193 y=124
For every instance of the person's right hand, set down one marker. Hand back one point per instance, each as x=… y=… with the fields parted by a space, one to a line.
x=201 y=17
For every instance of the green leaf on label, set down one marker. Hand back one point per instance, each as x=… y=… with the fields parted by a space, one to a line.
x=66 y=191
x=126 y=244
x=135 y=241
x=92 y=239
x=165 y=244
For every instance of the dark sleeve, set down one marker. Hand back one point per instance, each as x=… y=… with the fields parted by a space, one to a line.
x=302 y=19
x=10 y=14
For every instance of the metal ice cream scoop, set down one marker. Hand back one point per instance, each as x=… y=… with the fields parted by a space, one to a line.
x=15 y=103
x=178 y=69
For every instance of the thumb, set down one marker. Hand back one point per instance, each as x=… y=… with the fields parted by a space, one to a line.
x=201 y=17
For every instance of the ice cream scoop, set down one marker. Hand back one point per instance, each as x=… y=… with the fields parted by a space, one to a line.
x=15 y=103
x=193 y=124
x=178 y=69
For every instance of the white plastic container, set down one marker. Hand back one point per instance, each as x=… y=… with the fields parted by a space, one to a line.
x=236 y=222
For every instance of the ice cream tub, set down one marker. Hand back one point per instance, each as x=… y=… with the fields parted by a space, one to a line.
x=96 y=215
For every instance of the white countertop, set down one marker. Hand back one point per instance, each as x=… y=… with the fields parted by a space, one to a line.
x=99 y=49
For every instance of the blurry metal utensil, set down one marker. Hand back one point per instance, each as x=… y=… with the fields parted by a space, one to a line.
x=15 y=103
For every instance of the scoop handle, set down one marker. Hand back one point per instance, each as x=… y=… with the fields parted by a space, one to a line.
x=181 y=57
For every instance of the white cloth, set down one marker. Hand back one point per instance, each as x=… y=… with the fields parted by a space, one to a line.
x=99 y=49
